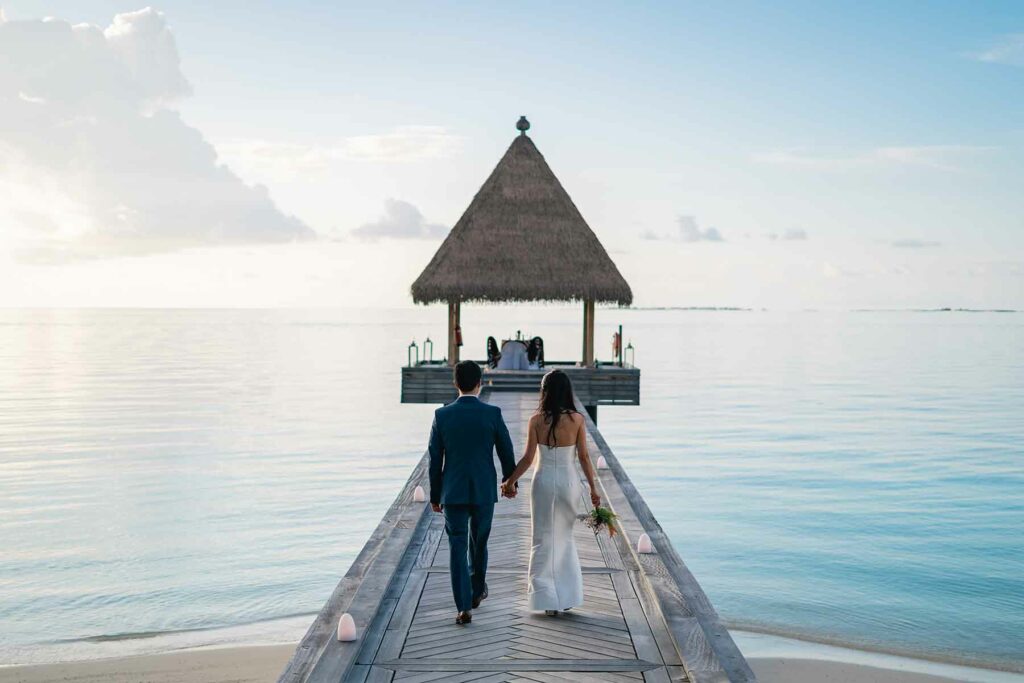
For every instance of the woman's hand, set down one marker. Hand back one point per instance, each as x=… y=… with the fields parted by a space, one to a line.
x=594 y=498
x=508 y=489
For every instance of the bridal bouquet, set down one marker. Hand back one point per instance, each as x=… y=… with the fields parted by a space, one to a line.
x=600 y=518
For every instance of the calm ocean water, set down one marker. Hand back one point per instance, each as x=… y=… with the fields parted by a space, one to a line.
x=857 y=476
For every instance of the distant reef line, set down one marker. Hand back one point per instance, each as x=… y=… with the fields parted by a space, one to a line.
x=815 y=310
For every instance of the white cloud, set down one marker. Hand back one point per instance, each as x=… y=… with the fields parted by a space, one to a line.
x=401 y=220
x=792 y=235
x=405 y=143
x=687 y=231
x=276 y=160
x=90 y=150
x=690 y=232
x=1007 y=50
x=939 y=157
x=291 y=160
x=915 y=244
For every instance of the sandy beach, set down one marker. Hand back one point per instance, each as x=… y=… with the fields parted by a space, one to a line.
x=263 y=664
x=780 y=670
x=260 y=664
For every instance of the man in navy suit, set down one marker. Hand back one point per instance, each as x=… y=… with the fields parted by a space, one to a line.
x=463 y=482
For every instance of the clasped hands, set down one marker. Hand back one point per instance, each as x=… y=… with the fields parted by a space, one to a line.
x=509 y=489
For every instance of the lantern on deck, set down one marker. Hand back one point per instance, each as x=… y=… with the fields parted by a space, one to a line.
x=644 y=545
x=414 y=351
x=428 y=350
x=346 y=628
x=630 y=360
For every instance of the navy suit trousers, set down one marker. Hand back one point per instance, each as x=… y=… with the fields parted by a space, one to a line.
x=468 y=527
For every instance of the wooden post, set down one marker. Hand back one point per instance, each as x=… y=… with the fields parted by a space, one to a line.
x=588 y=333
x=454 y=317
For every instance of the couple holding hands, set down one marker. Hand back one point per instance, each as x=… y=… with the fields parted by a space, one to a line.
x=463 y=438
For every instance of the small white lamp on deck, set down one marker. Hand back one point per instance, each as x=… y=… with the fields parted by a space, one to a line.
x=418 y=495
x=602 y=464
x=643 y=544
x=346 y=628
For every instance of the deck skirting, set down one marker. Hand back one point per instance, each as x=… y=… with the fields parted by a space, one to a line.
x=600 y=385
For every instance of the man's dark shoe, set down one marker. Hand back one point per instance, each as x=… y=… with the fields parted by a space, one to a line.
x=480 y=598
x=463 y=618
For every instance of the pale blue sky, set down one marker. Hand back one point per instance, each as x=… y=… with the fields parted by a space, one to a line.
x=888 y=134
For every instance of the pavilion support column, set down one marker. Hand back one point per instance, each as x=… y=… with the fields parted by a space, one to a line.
x=588 y=333
x=454 y=331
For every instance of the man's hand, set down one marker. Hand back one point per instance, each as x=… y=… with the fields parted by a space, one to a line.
x=509 y=490
x=436 y=507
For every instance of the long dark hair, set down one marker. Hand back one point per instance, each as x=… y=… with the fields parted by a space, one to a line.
x=535 y=351
x=555 y=401
x=493 y=355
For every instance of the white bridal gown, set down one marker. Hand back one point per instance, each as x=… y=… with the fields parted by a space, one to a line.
x=555 y=579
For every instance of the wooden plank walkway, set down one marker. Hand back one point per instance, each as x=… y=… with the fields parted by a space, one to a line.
x=644 y=617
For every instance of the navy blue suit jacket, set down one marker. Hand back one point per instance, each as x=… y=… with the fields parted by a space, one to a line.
x=463 y=438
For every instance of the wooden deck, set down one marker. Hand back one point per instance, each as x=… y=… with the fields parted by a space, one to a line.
x=645 y=618
x=602 y=385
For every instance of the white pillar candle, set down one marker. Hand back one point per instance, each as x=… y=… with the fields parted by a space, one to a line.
x=602 y=464
x=418 y=495
x=643 y=544
x=346 y=628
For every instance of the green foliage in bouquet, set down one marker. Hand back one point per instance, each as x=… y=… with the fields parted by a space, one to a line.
x=601 y=518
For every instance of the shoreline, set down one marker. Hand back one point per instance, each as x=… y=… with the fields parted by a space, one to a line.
x=257 y=652
x=966 y=662
x=773 y=659
x=775 y=654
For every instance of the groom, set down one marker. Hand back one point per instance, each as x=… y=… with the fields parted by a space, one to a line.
x=463 y=482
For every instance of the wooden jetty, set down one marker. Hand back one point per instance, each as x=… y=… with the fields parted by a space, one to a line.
x=645 y=617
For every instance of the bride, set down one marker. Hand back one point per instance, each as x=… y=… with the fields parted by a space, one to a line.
x=555 y=579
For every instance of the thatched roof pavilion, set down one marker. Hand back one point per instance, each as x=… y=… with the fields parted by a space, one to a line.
x=522 y=239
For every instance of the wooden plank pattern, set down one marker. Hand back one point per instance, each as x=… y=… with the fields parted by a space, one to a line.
x=642 y=619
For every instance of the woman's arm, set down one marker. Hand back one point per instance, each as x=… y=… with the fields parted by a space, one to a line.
x=527 y=460
x=588 y=467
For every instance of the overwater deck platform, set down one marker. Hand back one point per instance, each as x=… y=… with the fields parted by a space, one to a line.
x=603 y=384
x=645 y=618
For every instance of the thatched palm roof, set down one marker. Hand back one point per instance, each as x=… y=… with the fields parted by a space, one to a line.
x=521 y=239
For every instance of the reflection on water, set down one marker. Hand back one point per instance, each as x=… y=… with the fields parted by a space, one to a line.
x=856 y=475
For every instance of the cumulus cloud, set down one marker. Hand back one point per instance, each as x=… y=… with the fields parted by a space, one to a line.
x=792 y=235
x=94 y=163
x=915 y=244
x=1007 y=50
x=687 y=230
x=401 y=220
x=938 y=157
x=405 y=143
x=290 y=160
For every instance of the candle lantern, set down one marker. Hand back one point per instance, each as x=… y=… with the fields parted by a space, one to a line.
x=644 y=545
x=428 y=350
x=418 y=495
x=630 y=355
x=346 y=628
x=414 y=353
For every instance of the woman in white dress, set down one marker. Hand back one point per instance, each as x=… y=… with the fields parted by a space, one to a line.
x=558 y=432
